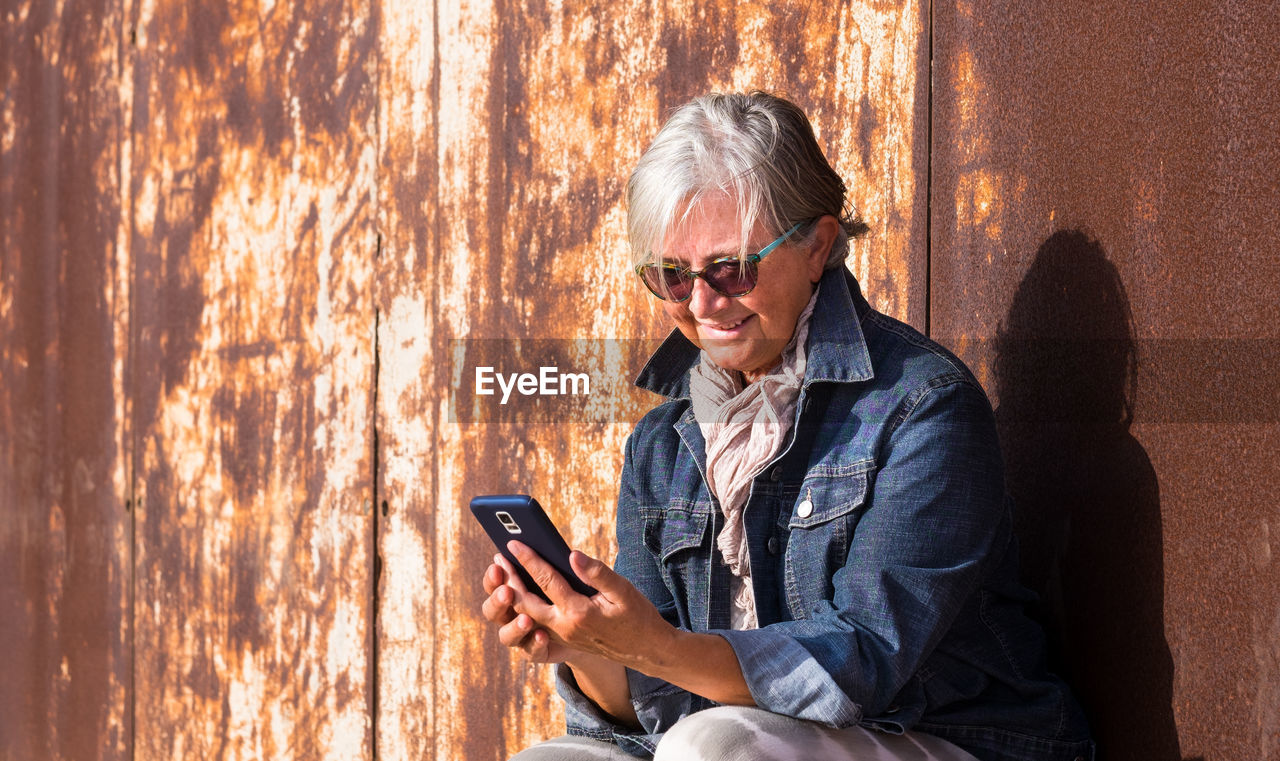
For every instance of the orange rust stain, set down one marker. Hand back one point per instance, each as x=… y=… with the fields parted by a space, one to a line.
x=254 y=253
x=64 y=566
x=505 y=141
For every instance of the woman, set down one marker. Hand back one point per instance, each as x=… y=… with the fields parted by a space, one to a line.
x=814 y=550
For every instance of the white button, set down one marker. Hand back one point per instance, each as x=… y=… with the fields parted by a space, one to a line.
x=804 y=509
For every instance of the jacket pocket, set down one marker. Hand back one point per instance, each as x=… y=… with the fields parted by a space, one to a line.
x=679 y=526
x=677 y=535
x=820 y=529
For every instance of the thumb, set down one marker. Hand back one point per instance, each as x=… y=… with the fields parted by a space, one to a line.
x=597 y=574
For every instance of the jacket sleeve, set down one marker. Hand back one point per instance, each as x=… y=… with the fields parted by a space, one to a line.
x=658 y=704
x=933 y=515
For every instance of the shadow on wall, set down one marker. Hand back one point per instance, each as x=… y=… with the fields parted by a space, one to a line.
x=1088 y=515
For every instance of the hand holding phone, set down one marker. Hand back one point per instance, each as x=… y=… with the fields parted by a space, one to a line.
x=518 y=516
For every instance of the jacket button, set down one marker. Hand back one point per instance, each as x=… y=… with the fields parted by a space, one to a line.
x=804 y=509
x=776 y=474
x=774 y=545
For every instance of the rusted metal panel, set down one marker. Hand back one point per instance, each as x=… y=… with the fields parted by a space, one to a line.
x=507 y=133
x=1102 y=253
x=406 y=414
x=63 y=526
x=252 y=160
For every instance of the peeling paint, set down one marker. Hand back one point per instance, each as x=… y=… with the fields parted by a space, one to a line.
x=213 y=213
x=254 y=250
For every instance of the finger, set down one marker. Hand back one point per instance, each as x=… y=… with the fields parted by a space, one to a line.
x=538 y=645
x=543 y=573
x=524 y=634
x=513 y=579
x=547 y=637
x=516 y=631
x=497 y=607
x=522 y=600
x=494 y=577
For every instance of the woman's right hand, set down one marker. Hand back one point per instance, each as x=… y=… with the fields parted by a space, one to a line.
x=517 y=630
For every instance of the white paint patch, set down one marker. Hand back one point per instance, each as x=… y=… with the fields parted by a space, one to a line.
x=345 y=654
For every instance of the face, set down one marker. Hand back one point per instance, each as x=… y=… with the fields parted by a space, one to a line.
x=748 y=333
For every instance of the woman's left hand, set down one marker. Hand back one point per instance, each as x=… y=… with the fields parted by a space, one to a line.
x=618 y=622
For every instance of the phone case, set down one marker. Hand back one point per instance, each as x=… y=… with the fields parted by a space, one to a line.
x=518 y=516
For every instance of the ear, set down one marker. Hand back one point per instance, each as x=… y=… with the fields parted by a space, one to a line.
x=824 y=237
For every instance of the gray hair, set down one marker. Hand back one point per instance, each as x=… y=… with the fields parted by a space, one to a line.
x=760 y=150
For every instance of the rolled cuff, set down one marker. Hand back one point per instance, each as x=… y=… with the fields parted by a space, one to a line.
x=785 y=678
x=658 y=706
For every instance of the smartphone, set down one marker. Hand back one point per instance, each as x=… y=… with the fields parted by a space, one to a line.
x=518 y=516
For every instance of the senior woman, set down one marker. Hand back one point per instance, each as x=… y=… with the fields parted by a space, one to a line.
x=815 y=557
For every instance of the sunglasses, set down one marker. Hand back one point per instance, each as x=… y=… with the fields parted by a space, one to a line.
x=727 y=276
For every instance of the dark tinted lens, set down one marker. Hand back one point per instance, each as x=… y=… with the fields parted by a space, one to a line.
x=676 y=283
x=666 y=281
x=730 y=277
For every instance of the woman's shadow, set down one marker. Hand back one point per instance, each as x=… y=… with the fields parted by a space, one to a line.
x=1088 y=503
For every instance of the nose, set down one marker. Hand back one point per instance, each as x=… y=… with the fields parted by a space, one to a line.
x=704 y=301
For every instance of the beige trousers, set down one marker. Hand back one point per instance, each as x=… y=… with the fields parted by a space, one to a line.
x=734 y=733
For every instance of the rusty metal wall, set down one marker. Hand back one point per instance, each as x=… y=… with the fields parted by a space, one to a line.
x=1104 y=207
x=241 y=243
x=222 y=222
x=250 y=153
x=507 y=131
x=63 y=528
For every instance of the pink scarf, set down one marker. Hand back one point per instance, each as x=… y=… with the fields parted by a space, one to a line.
x=745 y=429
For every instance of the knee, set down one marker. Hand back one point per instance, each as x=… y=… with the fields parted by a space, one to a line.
x=724 y=733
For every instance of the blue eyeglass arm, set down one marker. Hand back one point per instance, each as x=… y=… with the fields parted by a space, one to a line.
x=762 y=253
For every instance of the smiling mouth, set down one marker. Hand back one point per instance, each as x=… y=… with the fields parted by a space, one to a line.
x=725 y=327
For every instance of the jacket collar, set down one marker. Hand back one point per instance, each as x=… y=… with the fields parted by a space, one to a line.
x=837 y=350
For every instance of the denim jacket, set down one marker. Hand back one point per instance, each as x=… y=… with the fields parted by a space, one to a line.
x=882 y=553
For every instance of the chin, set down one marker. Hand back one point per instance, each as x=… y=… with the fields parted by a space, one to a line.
x=731 y=362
